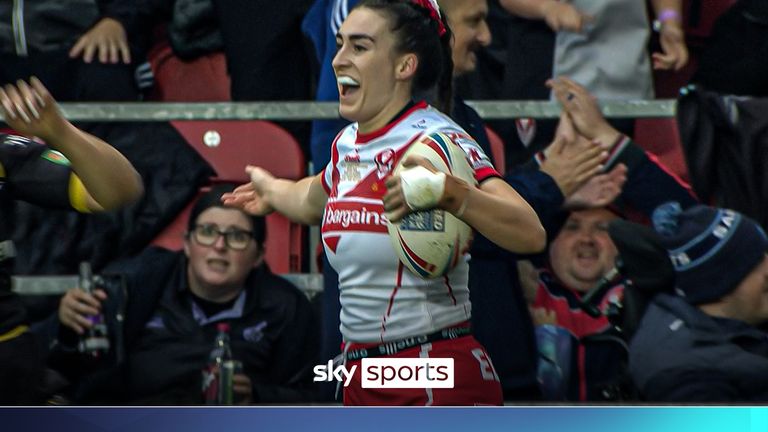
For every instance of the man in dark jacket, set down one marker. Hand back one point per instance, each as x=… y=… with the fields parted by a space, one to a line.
x=580 y=256
x=702 y=343
x=176 y=299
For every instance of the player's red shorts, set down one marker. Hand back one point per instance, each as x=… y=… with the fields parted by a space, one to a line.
x=475 y=379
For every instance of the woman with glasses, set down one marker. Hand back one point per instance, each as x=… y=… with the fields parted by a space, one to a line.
x=176 y=300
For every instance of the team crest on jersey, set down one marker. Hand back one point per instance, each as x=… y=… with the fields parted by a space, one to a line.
x=352 y=167
x=385 y=161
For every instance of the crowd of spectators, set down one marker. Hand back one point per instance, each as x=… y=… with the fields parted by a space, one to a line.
x=548 y=321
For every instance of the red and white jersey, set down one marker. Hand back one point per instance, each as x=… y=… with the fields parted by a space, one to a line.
x=380 y=299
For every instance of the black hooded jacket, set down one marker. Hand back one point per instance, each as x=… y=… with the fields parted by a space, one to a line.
x=273 y=331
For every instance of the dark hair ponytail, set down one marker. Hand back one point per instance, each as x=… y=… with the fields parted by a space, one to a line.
x=418 y=32
x=445 y=84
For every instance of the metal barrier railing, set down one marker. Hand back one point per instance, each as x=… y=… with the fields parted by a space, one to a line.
x=310 y=283
x=489 y=110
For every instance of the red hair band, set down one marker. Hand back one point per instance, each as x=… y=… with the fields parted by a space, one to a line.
x=434 y=12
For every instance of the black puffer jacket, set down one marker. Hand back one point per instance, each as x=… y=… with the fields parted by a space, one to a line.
x=28 y=26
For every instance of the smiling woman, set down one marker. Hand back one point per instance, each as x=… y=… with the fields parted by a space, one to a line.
x=380 y=64
x=174 y=305
x=391 y=55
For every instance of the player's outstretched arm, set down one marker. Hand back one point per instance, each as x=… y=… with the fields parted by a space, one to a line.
x=301 y=201
x=109 y=178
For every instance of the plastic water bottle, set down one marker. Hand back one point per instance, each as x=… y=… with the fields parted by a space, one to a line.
x=217 y=379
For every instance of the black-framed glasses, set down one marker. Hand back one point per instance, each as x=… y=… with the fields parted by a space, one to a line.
x=235 y=239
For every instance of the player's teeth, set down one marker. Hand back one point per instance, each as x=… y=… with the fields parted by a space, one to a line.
x=347 y=81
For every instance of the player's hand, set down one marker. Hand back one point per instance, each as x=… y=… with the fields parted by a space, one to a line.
x=395 y=203
x=452 y=198
x=76 y=306
x=251 y=197
x=584 y=111
x=674 y=55
x=561 y=16
x=242 y=389
x=107 y=40
x=31 y=110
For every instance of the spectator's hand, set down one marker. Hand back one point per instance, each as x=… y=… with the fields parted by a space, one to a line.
x=599 y=191
x=107 y=39
x=31 y=110
x=543 y=316
x=77 y=306
x=242 y=389
x=584 y=111
x=561 y=16
x=675 y=53
x=251 y=196
x=572 y=160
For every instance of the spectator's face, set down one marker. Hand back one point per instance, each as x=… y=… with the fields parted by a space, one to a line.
x=749 y=302
x=583 y=252
x=467 y=19
x=368 y=70
x=218 y=268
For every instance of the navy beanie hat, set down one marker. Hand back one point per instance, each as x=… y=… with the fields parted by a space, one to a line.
x=711 y=249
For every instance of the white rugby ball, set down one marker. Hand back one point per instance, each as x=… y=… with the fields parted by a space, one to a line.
x=430 y=243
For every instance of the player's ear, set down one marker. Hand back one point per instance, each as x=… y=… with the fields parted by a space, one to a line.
x=406 y=66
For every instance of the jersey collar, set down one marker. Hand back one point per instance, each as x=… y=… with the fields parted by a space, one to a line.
x=405 y=112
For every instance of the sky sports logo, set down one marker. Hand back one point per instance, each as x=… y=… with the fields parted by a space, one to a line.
x=392 y=373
